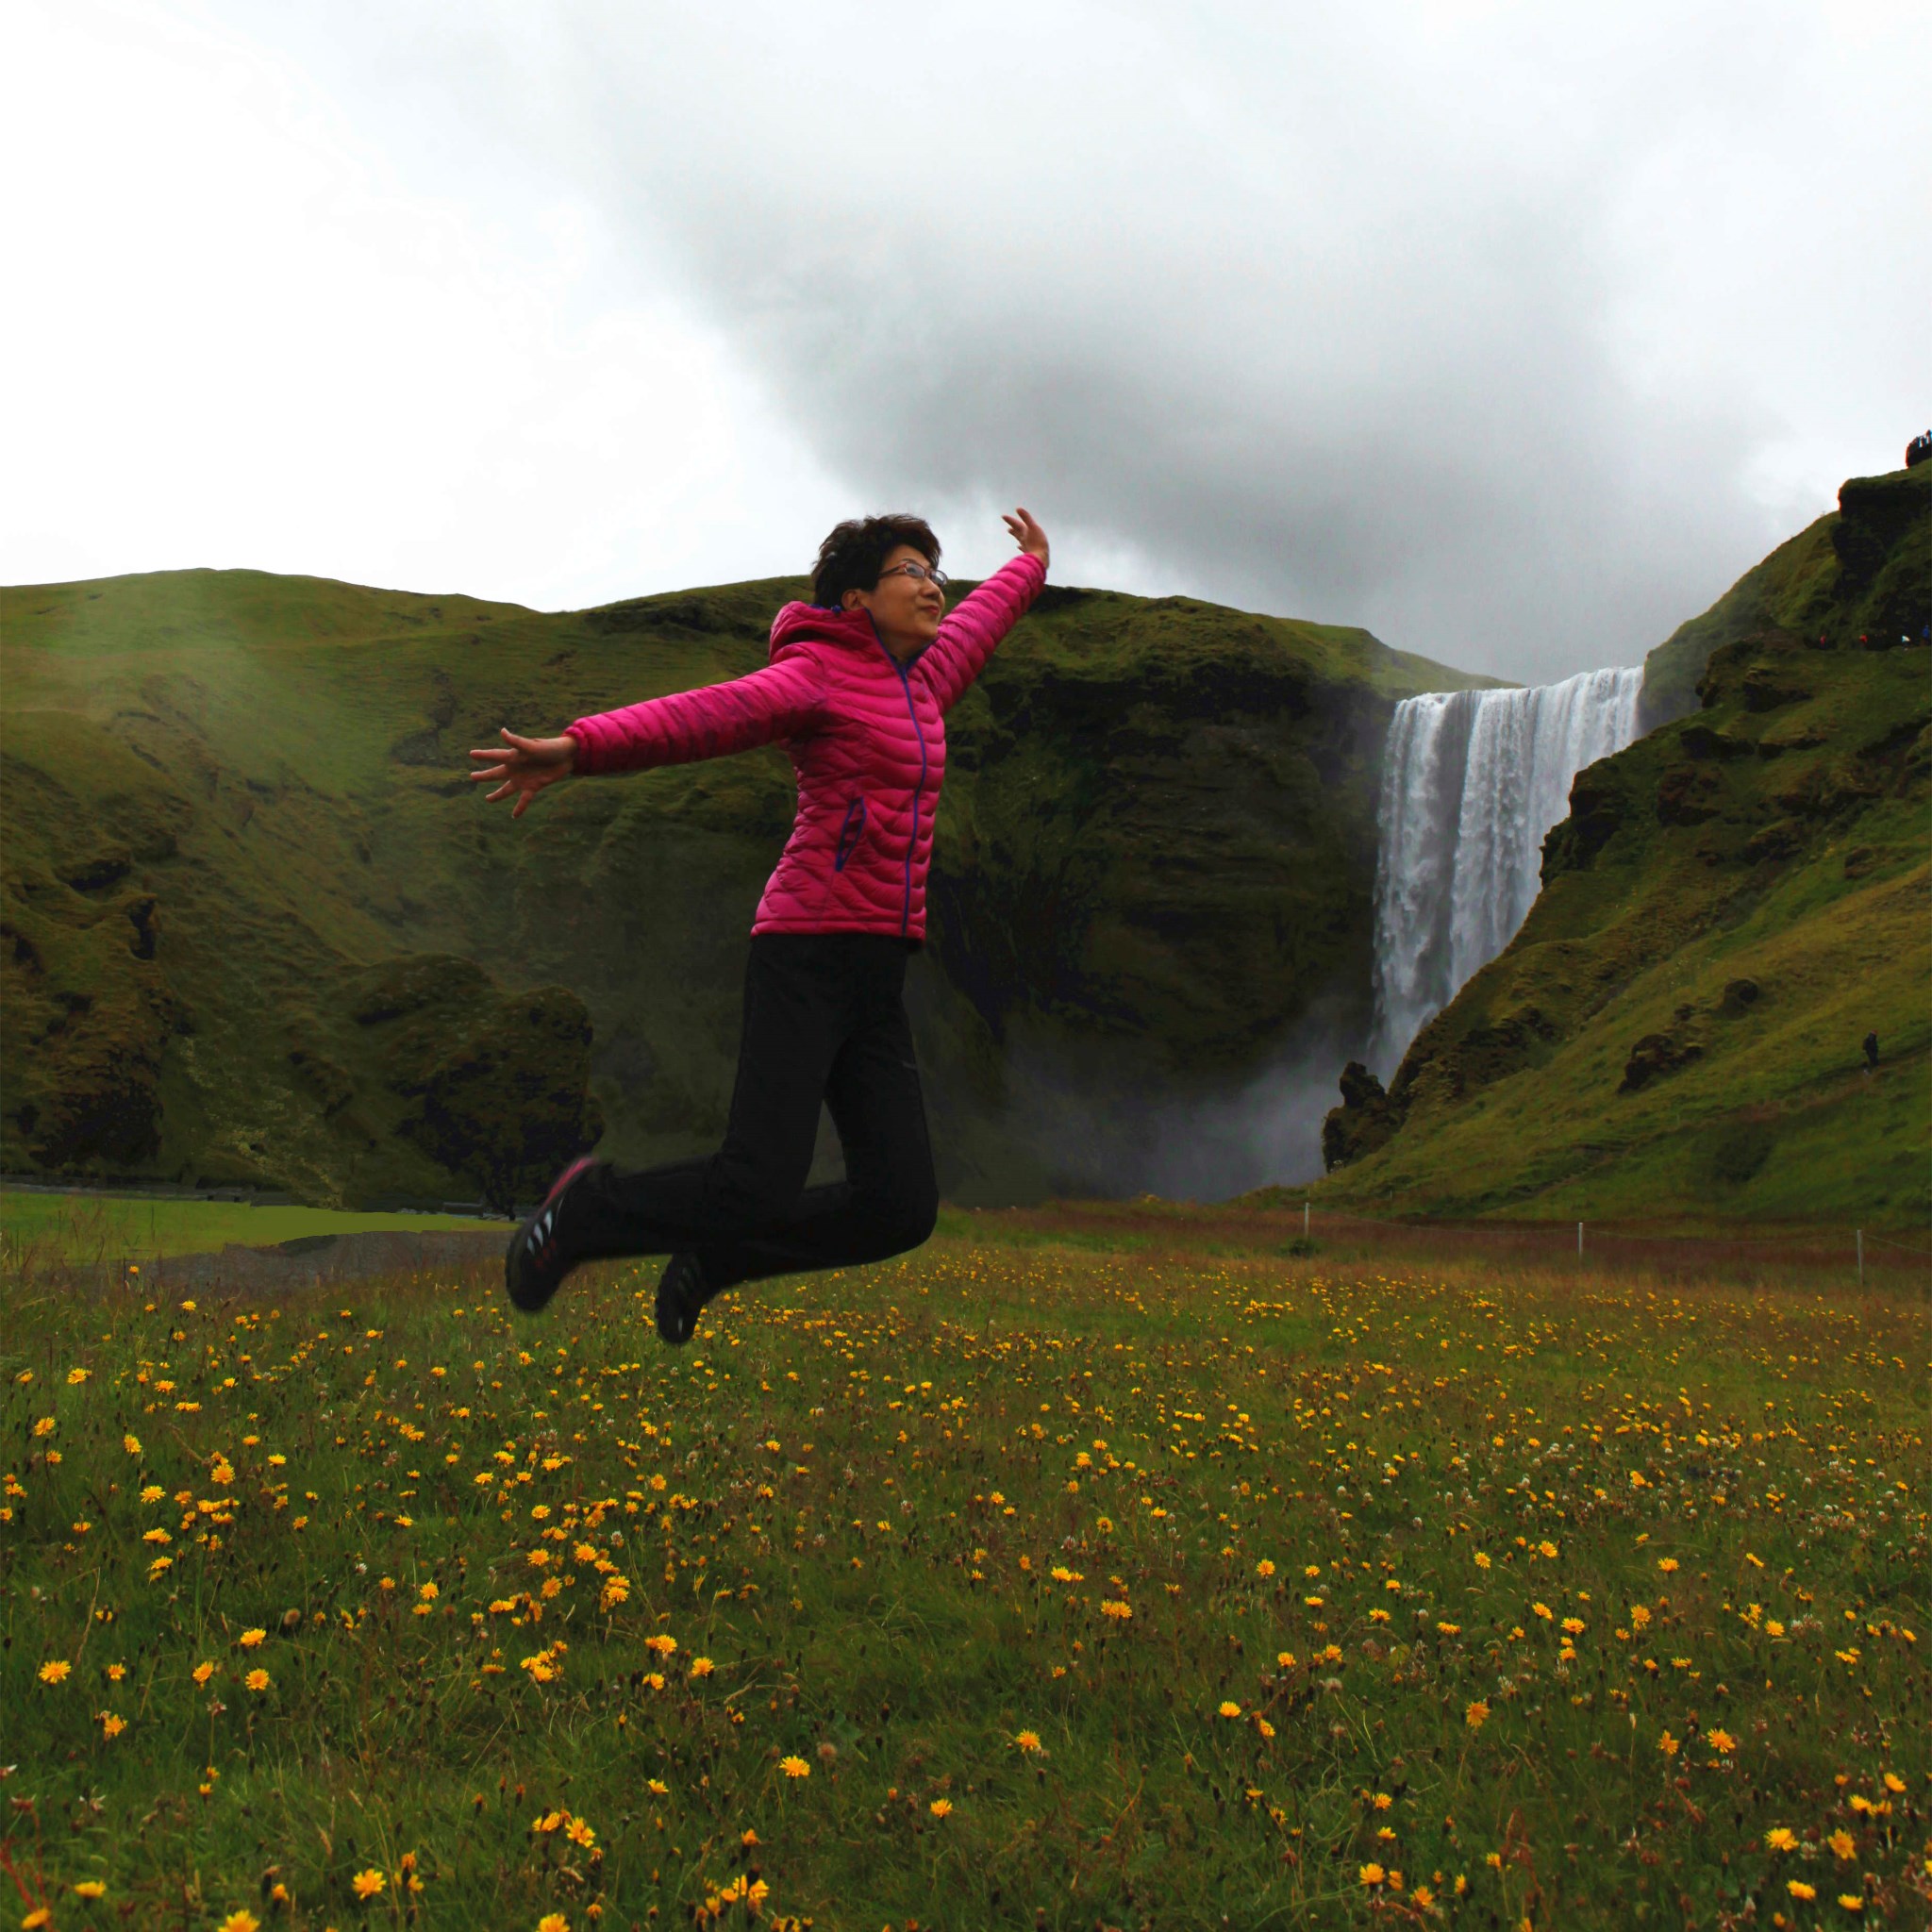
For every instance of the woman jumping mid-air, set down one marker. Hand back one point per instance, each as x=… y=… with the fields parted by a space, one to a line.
x=857 y=690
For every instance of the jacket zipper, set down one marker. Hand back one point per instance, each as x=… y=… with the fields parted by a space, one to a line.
x=912 y=838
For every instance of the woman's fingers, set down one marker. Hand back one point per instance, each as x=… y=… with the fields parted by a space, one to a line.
x=1026 y=532
x=523 y=766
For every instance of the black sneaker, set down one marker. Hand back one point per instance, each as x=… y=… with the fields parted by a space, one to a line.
x=539 y=1256
x=682 y=1292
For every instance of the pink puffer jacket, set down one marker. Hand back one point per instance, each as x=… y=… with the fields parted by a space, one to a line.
x=866 y=735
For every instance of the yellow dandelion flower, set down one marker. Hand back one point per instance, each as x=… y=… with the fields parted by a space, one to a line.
x=1781 y=1838
x=552 y=1922
x=1230 y=1708
x=1028 y=1740
x=1475 y=1715
x=1264 y=1568
x=1850 y=1901
x=113 y=1724
x=202 y=1672
x=256 y=1681
x=1843 y=1844
x=90 y=1888
x=1371 y=1873
x=131 y=1443
x=794 y=1767
x=250 y=1639
x=940 y=1807
x=1667 y=1564
x=702 y=1667
x=76 y=1377
x=1668 y=1746
x=1894 y=1784
x=1285 y=1659
x=241 y=1920
x=1799 y=1889
x=367 y=1884
x=54 y=1671
x=1722 y=1742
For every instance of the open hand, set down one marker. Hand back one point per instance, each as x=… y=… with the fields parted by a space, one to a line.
x=525 y=768
x=1027 y=533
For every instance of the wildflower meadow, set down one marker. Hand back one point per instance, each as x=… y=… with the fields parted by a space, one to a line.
x=1039 y=1581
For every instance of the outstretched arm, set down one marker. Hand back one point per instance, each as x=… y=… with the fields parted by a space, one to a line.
x=779 y=701
x=971 y=631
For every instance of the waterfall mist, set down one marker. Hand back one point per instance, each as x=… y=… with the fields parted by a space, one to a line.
x=1472 y=783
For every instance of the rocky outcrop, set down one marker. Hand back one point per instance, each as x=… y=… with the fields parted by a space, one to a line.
x=1362 y=1123
x=1854 y=580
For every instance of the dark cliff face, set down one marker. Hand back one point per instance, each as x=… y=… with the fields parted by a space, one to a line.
x=233 y=798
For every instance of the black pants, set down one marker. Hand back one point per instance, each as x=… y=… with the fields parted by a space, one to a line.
x=824 y=1020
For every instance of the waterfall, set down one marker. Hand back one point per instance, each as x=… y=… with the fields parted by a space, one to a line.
x=1472 y=783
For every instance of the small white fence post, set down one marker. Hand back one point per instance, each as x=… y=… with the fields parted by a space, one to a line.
x=1305 y=1220
x=1579 y=1240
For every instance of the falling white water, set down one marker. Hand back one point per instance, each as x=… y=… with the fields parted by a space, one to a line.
x=1472 y=783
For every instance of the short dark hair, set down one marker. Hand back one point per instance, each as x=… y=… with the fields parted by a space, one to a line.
x=850 y=558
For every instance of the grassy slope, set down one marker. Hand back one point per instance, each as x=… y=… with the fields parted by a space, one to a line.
x=258 y=781
x=1352 y=1511
x=1860 y=571
x=1780 y=835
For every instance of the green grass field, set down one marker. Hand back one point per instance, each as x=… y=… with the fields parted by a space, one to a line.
x=114 y=1227
x=1021 y=1583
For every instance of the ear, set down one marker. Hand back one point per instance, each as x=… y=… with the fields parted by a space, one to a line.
x=852 y=600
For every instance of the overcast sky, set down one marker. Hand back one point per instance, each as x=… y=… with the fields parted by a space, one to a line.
x=1512 y=331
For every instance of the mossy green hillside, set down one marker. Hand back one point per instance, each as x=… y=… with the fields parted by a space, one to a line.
x=1734 y=903
x=236 y=808
x=1854 y=576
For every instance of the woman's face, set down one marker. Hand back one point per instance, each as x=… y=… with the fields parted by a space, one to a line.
x=906 y=608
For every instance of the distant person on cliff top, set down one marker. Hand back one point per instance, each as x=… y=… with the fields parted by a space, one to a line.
x=1871 y=1052
x=857 y=690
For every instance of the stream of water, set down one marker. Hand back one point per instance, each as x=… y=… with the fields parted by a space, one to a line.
x=1472 y=783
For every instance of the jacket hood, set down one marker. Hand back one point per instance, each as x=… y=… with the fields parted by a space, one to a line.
x=799 y=624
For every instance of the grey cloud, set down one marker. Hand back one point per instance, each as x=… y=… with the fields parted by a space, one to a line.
x=1451 y=320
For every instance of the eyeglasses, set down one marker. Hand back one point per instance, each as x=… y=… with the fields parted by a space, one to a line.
x=926 y=573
